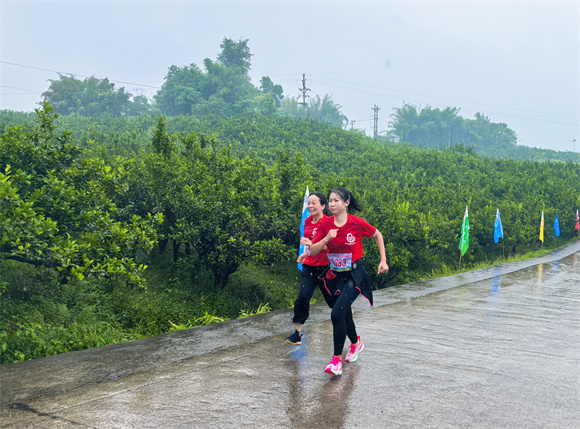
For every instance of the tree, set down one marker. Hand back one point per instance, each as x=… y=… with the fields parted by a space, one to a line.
x=235 y=54
x=326 y=110
x=486 y=134
x=180 y=91
x=230 y=84
x=404 y=122
x=161 y=141
x=433 y=128
x=223 y=88
x=290 y=109
x=219 y=210
x=56 y=207
x=268 y=87
x=92 y=96
x=436 y=128
x=318 y=109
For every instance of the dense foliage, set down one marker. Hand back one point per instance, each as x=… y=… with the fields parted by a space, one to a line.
x=92 y=97
x=57 y=209
x=121 y=218
x=221 y=196
x=222 y=209
x=222 y=87
x=316 y=109
x=435 y=128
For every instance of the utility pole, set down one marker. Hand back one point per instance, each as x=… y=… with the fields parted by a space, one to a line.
x=303 y=90
x=352 y=124
x=376 y=121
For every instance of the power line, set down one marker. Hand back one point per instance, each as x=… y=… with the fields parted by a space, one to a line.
x=468 y=109
x=432 y=96
x=75 y=74
x=371 y=91
x=29 y=91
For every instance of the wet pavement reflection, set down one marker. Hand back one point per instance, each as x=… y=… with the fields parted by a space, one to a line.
x=495 y=348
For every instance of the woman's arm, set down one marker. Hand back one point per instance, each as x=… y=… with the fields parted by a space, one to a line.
x=302 y=257
x=318 y=247
x=307 y=243
x=383 y=267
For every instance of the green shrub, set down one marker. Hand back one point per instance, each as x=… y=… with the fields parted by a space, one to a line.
x=34 y=340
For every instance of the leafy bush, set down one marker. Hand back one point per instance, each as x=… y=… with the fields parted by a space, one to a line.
x=75 y=229
x=35 y=340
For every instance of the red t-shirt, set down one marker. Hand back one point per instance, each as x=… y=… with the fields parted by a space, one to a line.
x=311 y=230
x=347 y=245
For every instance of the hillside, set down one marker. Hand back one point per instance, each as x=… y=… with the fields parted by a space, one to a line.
x=205 y=213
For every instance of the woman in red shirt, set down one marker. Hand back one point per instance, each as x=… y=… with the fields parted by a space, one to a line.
x=312 y=267
x=342 y=234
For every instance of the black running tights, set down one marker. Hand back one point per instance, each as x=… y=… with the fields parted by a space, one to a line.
x=341 y=316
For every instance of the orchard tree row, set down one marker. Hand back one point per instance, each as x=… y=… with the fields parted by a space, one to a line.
x=223 y=88
x=234 y=196
x=119 y=228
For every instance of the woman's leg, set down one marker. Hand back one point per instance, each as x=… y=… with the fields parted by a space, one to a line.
x=350 y=327
x=302 y=303
x=325 y=290
x=341 y=316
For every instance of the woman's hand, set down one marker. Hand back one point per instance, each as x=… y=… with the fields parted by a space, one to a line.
x=301 y=258
x=331 y=234
x=306 y=241
x=383 y=268
x=317 y=247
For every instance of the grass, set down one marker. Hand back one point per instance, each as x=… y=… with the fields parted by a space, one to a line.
x=43 y=318
x=446 y=271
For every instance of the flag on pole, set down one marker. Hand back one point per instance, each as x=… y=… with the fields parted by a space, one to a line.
x=577 y=221
x=557 y=226
x=542 y=228
x=464 y=242
x=305 y=214
x=498 y=232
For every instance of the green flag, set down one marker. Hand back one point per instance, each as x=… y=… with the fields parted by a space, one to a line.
x=464 y=242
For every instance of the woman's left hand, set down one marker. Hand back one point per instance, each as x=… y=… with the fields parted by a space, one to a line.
x=383 y=268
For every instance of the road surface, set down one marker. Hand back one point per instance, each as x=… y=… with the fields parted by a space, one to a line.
x=493 y=348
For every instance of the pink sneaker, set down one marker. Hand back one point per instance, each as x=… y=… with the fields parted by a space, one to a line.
x=355 y=349
x=335 y=366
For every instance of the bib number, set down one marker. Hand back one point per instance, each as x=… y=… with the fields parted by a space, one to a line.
x=340 y=261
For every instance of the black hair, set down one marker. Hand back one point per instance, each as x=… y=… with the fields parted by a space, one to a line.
x=322 y=199
x=345 y=195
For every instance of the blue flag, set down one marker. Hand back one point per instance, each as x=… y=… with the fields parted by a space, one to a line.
x=305 y=214
x=498 y=232
x=557 y=226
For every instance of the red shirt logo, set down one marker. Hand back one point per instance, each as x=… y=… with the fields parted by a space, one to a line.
x=350 y=238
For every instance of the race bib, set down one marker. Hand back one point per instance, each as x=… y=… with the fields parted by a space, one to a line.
x=340 y=261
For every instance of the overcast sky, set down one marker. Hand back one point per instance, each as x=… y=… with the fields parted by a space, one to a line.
x=516 y=62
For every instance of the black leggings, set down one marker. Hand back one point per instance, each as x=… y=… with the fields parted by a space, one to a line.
x=341 y=316
x=310 y=282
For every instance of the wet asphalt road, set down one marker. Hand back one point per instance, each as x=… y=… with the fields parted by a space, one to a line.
x=494 y=348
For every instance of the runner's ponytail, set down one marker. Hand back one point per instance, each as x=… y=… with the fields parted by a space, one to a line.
x=345 y=195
